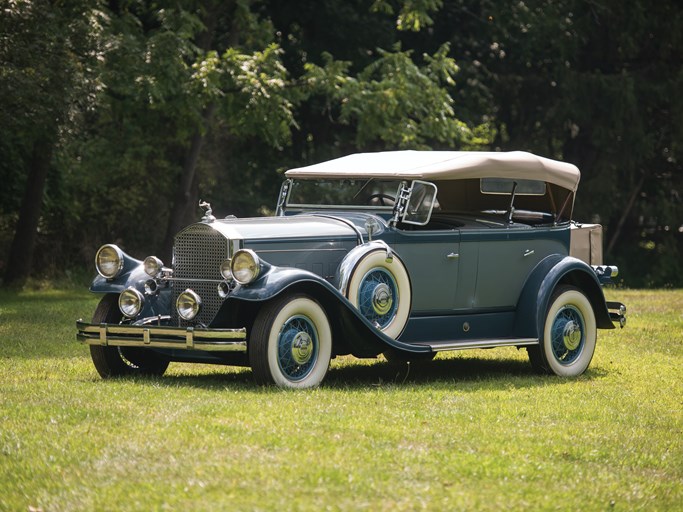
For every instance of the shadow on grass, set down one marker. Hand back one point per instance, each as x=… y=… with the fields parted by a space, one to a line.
x=467 y=373
x=37 y=297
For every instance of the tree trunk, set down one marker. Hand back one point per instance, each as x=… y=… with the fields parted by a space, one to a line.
x=624 y=215
x=20 y=259
x=181 y=203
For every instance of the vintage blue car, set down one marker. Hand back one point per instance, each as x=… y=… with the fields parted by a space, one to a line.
x=401 y=253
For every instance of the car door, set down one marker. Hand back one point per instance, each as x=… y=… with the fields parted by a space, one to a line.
x=432 y=259
x=506 y=257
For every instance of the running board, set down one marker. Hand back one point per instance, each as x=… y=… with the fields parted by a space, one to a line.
x=442 y=346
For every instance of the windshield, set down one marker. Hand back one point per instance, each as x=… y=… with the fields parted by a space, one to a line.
x=343 y=193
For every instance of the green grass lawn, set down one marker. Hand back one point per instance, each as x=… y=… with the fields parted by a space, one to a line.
x=473 y=430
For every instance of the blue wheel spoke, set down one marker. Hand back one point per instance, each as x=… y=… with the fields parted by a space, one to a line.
x=567 y=326
x=297 y=327
x=375 y=283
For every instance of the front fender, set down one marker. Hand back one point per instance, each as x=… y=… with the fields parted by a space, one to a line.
x=134 y=276
x=544 y=278
x=131 y=274
x=353 y=333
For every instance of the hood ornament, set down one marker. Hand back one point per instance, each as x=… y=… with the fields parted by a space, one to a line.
x=208 y=212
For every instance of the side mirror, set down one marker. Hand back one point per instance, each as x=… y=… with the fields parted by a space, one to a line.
x=420 y=203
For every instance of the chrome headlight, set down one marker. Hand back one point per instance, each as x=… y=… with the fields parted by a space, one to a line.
x=226 y=272
x=245 y=266
x=223 y=289
x=109 y=261
x=131 y=302
x=153 y=266
x=188 y=304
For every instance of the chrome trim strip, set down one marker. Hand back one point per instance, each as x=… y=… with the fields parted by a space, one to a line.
x=351 y=260
x=194 y=280
x=485 y=343
x=180 y=338
x=346 y=222
x=273 y=251
x=230 y=232
x=339 y=207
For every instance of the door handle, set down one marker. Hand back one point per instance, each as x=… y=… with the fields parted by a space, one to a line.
x=528 y=252
x=452 y=256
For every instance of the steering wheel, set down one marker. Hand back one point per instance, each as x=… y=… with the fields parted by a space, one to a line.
x=381 y=197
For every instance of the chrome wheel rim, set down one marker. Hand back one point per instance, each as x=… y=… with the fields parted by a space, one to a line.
x=297 y=348
x=378 y=297
x=568 y=335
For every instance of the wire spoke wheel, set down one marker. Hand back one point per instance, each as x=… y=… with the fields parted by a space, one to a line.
x=298 y=347
x=378 y=297
x=291 y=343
x=380 y=289
x=569 y=335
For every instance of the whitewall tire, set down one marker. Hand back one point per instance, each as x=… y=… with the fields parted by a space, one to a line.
x=569 y=335
x=380 y=290
x=291 y=343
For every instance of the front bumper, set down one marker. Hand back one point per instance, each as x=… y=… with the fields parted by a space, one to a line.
x=149 y=336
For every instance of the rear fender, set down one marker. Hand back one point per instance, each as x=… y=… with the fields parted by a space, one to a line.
x=545 y=277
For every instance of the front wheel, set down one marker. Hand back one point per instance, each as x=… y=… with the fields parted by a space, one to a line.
x=569 y=335
x=291 y=343
x=122 y=361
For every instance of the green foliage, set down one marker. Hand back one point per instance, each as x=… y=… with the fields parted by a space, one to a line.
x=394 y=102
x=595 y=84
x=413 y=14
x=257 y=98
x=46 y=78
x=156 y=85
x=120 y=93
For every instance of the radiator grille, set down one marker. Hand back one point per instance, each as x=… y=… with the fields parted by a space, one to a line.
x=197 y=254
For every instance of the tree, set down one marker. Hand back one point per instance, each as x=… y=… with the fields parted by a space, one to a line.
x=595 y=84
x=45 y=62
x=118 y=117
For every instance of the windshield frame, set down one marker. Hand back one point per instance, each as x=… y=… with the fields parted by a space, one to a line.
x=362 y=191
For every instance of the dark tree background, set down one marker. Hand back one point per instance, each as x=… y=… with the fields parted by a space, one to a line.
x=117 y=117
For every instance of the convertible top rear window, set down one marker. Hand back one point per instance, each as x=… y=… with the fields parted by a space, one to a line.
x=504 y=186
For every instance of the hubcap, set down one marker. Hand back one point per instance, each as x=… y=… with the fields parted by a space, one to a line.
x=378 y=297
x=567 y=335
x=297 y=347
x=302 y=348
x=572 y=335
x=382 y=299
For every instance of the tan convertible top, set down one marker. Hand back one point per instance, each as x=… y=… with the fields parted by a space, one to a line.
x=444 y=165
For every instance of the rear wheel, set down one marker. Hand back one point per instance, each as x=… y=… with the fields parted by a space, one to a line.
x=291 y=343
x=121 y=361
x=569 y=335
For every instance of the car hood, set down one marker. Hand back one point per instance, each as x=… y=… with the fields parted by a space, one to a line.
x=297 y=226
